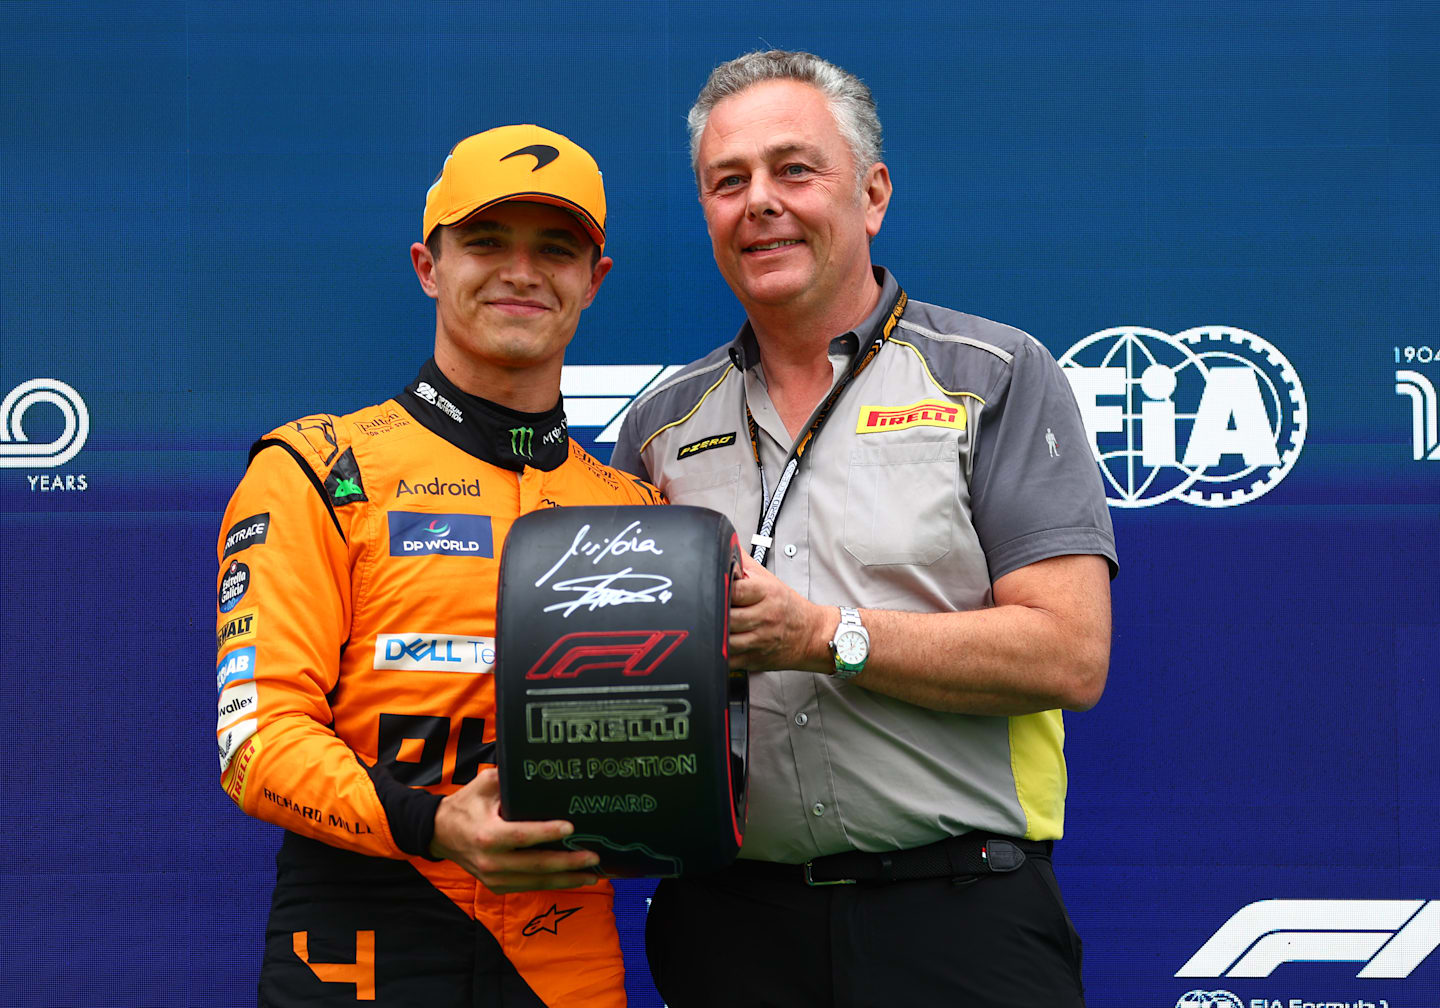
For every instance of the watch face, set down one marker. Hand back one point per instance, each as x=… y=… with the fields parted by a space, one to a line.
x=851 y=648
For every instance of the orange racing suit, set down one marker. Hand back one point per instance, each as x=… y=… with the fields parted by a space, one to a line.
x=356 y=622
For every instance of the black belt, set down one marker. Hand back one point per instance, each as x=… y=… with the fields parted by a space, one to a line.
x=968 y=854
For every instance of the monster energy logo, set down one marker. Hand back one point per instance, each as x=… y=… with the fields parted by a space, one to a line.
x=522 y=441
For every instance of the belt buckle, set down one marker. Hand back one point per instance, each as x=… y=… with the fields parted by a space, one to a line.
x=810 y=881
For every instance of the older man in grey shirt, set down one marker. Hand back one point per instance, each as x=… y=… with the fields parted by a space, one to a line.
x=928 y=588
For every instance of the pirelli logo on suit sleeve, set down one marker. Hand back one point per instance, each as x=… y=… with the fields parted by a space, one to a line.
x=705 y=444
x=928 y=413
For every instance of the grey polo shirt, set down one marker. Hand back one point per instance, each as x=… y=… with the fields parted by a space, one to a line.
x=956 y=455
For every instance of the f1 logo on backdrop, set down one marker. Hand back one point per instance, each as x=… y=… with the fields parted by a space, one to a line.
x=1213 y=416
x=16 y=449
x=1391 y=937
x=599 y=395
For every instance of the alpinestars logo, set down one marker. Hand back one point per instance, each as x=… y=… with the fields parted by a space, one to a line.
x=1390 y=937
x=599 y=395
x=522 y=441
x=1424 y=414
x=16 y=449
x=1213 y=416
x=549 y=920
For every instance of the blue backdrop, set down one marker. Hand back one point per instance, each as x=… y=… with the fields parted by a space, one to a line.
x=205 y=210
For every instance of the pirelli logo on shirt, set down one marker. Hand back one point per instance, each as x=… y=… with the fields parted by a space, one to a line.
x=928 y=413
x=705 y=444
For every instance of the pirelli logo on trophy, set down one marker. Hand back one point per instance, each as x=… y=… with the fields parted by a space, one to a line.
x=928 y=413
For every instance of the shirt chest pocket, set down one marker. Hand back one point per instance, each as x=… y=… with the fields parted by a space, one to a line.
x=902 y=501
x=716 y=487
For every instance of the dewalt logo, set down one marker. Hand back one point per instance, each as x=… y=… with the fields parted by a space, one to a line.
x=239 y=627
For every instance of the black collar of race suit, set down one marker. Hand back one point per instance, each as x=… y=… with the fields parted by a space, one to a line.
x=492 y=433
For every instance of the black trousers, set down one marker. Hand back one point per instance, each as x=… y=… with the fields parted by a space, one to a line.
x=756 y=936
x=375 y=932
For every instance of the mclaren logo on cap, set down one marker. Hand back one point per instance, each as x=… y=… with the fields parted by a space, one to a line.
x=543 y=154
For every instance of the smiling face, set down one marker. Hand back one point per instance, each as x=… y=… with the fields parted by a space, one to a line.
x=509 y=285
x=789 y=227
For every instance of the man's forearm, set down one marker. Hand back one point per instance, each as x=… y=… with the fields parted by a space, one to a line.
x=1044 y=645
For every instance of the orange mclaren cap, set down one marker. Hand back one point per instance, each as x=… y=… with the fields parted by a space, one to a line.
x=526 y=163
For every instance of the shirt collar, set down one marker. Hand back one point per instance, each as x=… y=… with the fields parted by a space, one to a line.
x=745 y=348
x=492 y=433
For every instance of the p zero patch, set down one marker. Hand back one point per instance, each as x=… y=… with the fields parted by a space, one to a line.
x=705 y=444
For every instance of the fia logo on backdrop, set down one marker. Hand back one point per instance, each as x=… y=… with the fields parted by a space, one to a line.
x=1213 y=416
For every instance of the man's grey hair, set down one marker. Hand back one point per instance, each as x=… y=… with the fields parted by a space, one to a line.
x=849 y=99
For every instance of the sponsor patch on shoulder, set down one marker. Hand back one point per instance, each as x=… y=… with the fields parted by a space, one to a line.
x=233 y=586
x=235 y=703
x=231 y=737
x=927 y=413
x=246 y=532
x=236 y=666
x=234 y=776
x=705 y=444
x=343 y=484
x=240 y=627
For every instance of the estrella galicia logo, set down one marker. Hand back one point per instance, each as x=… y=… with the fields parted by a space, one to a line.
x=16 y=449
x=522 y=441
x=246 y=532
x=542 y=153
x=237 y=666
x=413 y=534
x=1209 y=999
x=1213 y=416
x=234 y=585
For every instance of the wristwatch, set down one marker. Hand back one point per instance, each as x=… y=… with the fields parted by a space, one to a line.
x=850 y=646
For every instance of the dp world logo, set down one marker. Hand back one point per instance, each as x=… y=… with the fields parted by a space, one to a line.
x=16 y=449
x=1213 y=416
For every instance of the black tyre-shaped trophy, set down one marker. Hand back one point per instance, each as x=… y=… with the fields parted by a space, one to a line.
x=615 y=706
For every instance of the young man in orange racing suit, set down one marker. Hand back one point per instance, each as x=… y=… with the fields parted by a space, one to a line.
x=356 y=623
